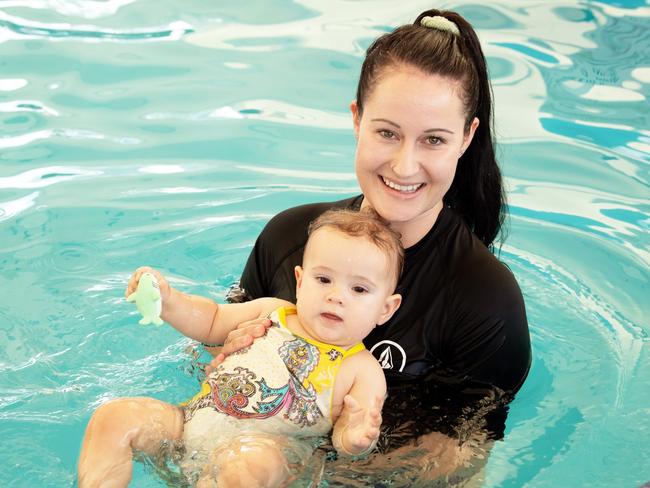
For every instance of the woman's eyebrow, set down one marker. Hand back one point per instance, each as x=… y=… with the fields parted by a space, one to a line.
x=435 y=129
x=439 y=129
x=387 y=121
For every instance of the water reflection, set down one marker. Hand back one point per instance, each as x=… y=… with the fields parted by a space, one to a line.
x=172 y=143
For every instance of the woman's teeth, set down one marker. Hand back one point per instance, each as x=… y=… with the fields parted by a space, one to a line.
x=402 y=188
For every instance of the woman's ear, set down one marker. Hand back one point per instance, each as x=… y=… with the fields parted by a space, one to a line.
x=354 y=108
x=467 y=139
x=391 y=305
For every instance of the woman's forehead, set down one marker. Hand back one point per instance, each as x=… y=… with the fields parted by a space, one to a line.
x=405 y=86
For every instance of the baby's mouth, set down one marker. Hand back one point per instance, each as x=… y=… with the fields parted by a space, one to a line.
x=402 y=188
x=331 y=316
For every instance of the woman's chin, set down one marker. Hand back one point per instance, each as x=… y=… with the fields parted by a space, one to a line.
x=398 y=213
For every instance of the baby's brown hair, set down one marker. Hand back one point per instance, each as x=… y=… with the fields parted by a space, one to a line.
x=366 y=223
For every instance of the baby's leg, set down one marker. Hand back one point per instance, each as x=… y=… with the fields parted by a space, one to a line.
x=115 y=430
x=253 y=461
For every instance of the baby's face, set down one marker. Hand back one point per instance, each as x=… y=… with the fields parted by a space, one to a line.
x=344 y=288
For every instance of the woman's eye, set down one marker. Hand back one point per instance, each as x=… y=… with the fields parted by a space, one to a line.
x=387 y=134
x=434 y=141
x=323 y=280
x=359 y=289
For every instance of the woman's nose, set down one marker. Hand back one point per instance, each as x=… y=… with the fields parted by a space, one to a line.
x=405 y=162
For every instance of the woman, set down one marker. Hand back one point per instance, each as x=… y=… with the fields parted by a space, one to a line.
x=425 y=161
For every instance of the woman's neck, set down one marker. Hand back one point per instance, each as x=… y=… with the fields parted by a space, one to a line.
x=412 y=231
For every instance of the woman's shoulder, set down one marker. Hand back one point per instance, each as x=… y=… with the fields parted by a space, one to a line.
x=469 y=258
x=471 y=276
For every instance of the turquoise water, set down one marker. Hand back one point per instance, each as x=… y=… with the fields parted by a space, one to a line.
x=167 y=133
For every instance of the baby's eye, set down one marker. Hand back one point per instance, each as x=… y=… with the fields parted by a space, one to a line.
x=359 y=289
x=386 y=134
x=323 y=280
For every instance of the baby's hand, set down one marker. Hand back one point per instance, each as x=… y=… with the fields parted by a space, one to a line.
x=132 y=286
x=362 y=429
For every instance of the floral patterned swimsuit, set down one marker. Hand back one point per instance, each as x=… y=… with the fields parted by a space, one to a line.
x=283 y=379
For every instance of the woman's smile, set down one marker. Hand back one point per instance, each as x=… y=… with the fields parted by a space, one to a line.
x=401 y=188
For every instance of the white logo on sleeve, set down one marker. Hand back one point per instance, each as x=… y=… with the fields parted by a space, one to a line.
x=390 y=353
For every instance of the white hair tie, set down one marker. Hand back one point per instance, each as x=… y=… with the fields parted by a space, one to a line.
x=440 y=23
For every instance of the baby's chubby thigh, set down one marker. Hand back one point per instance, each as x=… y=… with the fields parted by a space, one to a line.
x=250 y=461
x=232 y=452
x=120 y=427
x=146 y=422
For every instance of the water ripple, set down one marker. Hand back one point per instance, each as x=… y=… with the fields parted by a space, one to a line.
x=79 y=134
x=240 y=139
x=78 y=8
x=624 y=337
x=73 y=258
x=12 y=84
x=12 y=28
x=27 y=106
x=11 y=208
x=267 y=110
x=46 y=176
x=581 y=205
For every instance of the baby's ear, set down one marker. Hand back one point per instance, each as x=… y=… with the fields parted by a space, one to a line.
x=298 y=272
x=354 y=109
x=391 y=305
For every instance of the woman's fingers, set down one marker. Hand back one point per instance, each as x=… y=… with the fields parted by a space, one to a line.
x=237 y=343
x=239 y=338
x=244 y=334
x=253 y=327
x=231 y=346
x=216 y=361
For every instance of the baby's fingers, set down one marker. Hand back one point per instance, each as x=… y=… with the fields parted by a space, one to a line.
x=132 y=285
x=351 y=404
x=372 y=434
x=374 y=417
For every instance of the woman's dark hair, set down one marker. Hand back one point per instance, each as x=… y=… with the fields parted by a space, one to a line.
x=476 y=192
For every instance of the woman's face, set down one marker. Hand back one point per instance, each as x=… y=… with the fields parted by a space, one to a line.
x=409 y=139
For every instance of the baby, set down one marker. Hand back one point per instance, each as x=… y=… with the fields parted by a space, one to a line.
x=309 y=373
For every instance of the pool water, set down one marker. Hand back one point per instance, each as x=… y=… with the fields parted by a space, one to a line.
x=167 y=133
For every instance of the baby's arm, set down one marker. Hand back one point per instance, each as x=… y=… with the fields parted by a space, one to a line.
x=223 y=317
x=357 y=429
x=199 y=317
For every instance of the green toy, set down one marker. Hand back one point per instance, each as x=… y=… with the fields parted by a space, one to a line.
x=148 y=300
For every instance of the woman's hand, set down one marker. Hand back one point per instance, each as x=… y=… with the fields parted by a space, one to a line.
x=243 y=336
x=362 y=428
x=132 y=285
